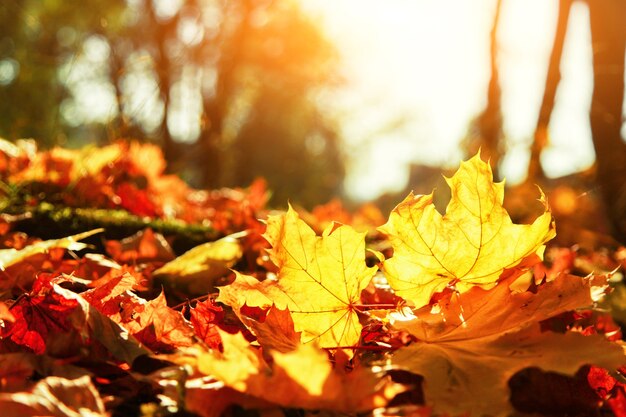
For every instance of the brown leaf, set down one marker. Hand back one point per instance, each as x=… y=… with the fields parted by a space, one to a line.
x=471 y=376
x=151 y=322
x=471 y=344
x=480 y=313
x=58 y=397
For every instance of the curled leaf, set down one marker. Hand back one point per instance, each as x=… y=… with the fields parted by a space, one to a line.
x=11 y=256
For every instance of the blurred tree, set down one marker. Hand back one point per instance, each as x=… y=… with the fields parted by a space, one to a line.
x=36 y=37
x=227 y=88
x=488 y=126
x=540 y=139
x=608 y=34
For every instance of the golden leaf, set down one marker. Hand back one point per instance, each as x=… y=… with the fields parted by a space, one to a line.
x=320 y=280
x=242 y=368
x=197 y=270
x=471 y=245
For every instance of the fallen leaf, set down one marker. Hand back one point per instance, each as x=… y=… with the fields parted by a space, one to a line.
x=205 y=317
x=471 y=344
x=93 y=324
x=321 y=387
x=197 y=270
x=480 y=313
x=19 y=370
x=143 y=246
x=471 y=376
x=151 y=322
x=320 y=280
x=470 y=246
x=41 y=317
x=276 y=332
x=11 y=259
x=160 y=327
x=57 y=397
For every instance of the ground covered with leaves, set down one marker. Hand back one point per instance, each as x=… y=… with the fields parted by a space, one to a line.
x=125 y=292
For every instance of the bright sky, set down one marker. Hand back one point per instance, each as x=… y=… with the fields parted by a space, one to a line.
x=417 y=74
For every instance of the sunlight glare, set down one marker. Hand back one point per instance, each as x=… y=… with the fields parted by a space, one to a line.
x=416 y=75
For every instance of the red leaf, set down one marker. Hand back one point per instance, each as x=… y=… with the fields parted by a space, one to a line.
x=618 y=403
x=135 y=200
x=144 y=246
x=600 y=380
x=151 y=322
x=205 y=318
x=38 y=316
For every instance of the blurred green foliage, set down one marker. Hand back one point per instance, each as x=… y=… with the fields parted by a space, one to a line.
x=229 y=89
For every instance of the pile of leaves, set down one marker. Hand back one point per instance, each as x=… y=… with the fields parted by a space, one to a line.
x=128 y=176
x=426 y=315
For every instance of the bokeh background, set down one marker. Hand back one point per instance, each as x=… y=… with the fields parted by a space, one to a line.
x=360 y=100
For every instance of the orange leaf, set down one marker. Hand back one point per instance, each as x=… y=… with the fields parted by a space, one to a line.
x=241 y=367
x=471 y=344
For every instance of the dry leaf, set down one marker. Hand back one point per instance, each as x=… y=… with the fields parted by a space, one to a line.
x=276 y=332
x=471 y=376
x=241 y=367
x=21 y=267
x=480 y=313
x=151 y=322
x=471 y=344
x=470 y=246
x=57 y=397
x=320 y=280
x=197 y=269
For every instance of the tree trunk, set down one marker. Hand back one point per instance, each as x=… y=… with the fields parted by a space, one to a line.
x=608 y=33
x=214 y=152
x=490 y=120
x=553 y=77
x=162 y=32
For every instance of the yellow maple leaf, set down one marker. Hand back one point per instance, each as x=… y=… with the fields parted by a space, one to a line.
x=471 y=245
x=320 y=279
